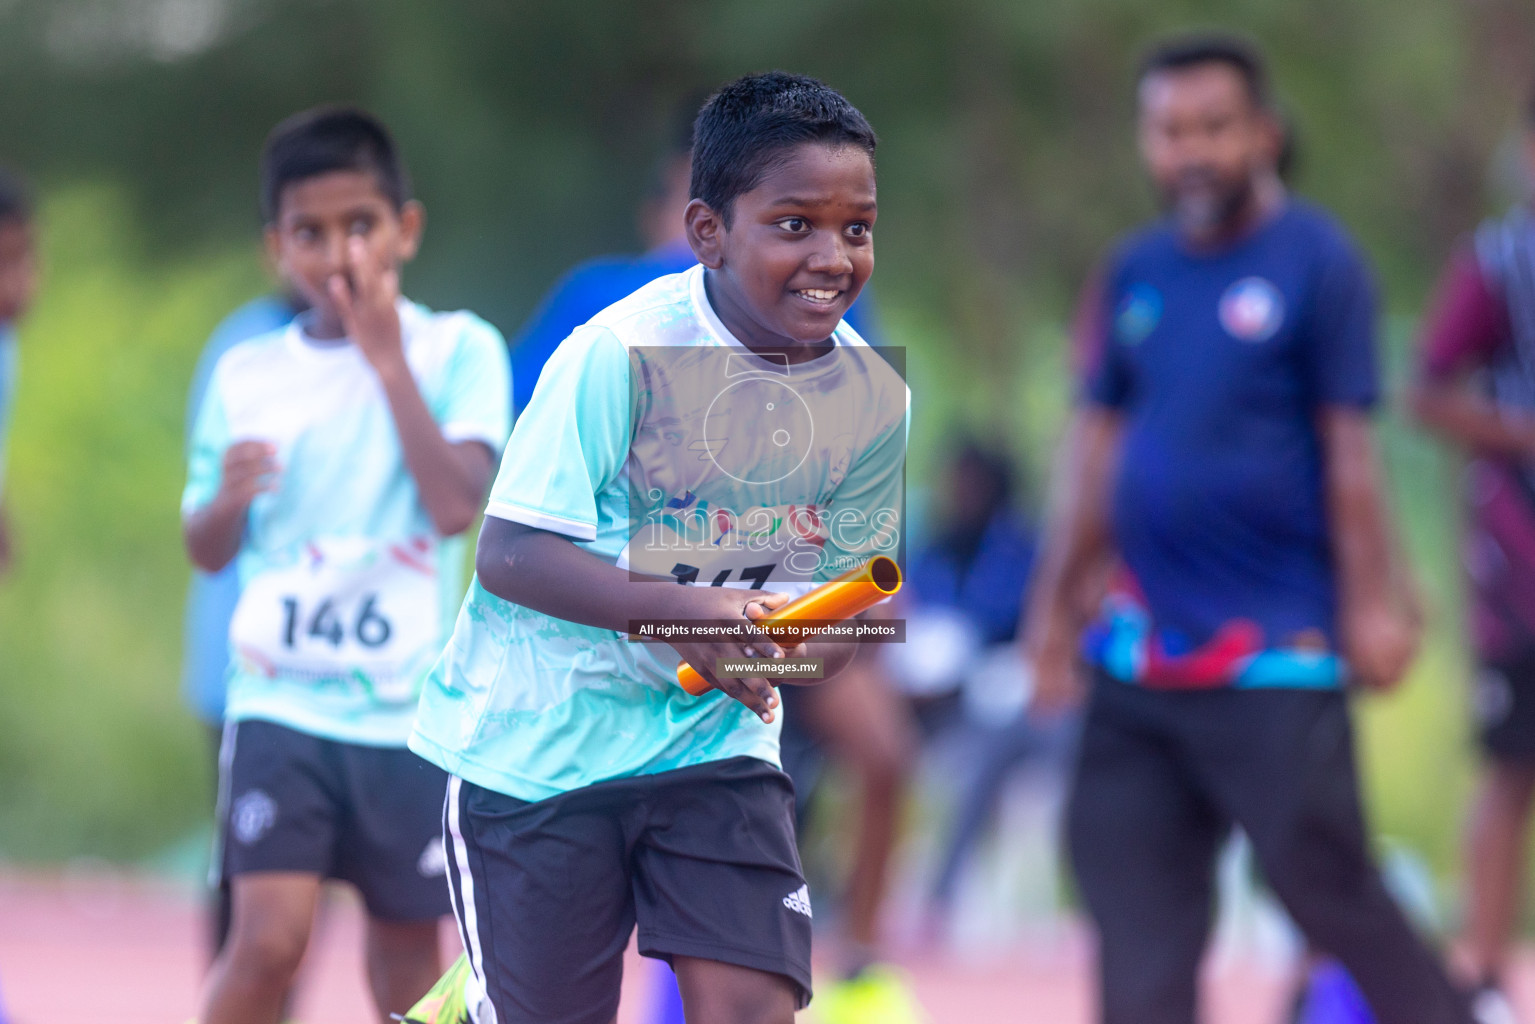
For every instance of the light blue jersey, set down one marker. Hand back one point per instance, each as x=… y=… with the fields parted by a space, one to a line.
x=346 y=589
x=656 y=441
x=212 y=597
x=8 y=368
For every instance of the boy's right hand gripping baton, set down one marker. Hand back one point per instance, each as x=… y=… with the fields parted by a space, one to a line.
x=853 y=592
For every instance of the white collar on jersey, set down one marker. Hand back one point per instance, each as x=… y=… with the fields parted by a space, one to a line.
x=300 y=341
x=842 y=337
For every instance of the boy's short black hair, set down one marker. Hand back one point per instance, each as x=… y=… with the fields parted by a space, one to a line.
x=15 y=199
x=743 y=130
x=1180 y=53
x=328 y=139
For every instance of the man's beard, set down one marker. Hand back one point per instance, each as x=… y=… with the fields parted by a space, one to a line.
x=1201 y=203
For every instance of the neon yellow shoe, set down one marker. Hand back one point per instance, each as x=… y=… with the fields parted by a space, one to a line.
x=445 y=1002
x=877 y=995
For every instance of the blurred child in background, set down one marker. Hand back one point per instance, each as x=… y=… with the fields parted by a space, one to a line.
x=1476 y=389
x=18 y=286
x=336 y=459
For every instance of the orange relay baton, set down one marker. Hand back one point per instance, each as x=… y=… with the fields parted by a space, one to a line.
x=855 y=591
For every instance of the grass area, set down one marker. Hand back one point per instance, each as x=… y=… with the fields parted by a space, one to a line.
x=100 y=757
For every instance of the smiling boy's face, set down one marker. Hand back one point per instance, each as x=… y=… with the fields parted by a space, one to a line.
x=316 y=218
x=798 y=250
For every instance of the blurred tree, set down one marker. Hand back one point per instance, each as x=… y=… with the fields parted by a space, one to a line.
x=1007 y=161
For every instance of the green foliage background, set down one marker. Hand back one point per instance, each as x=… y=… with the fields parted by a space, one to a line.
x=1006 y=165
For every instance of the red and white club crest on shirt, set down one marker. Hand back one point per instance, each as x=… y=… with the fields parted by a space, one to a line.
x=1252 y=309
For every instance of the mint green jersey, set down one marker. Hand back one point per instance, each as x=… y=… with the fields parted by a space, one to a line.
x=657 y=442
x=347 y=590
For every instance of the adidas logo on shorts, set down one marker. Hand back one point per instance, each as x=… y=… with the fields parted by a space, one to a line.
x=799 y=901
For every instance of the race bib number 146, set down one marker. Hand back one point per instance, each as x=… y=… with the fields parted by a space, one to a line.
x=350 y=609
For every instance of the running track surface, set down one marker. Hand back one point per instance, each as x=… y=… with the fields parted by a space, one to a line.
x=83 y=950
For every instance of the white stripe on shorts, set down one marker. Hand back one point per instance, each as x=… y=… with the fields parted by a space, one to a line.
x=221 y=803
x=480 y=1008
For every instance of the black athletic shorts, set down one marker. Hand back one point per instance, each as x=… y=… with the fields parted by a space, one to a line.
x=1503 y=704
x=547 y=893
x=371 y=816
x=1162 y=776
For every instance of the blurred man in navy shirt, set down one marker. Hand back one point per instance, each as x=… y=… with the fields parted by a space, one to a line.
x=1223 y=451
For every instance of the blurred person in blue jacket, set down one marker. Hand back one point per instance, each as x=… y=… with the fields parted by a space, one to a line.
x=212 y=597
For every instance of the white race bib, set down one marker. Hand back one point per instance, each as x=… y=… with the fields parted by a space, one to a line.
x=352 y=608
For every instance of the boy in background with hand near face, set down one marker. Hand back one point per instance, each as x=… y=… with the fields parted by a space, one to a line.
x=336 y=459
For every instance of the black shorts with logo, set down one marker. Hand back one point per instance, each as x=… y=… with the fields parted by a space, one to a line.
x=371 y=816
x=702 y=858
x=1503 y=704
